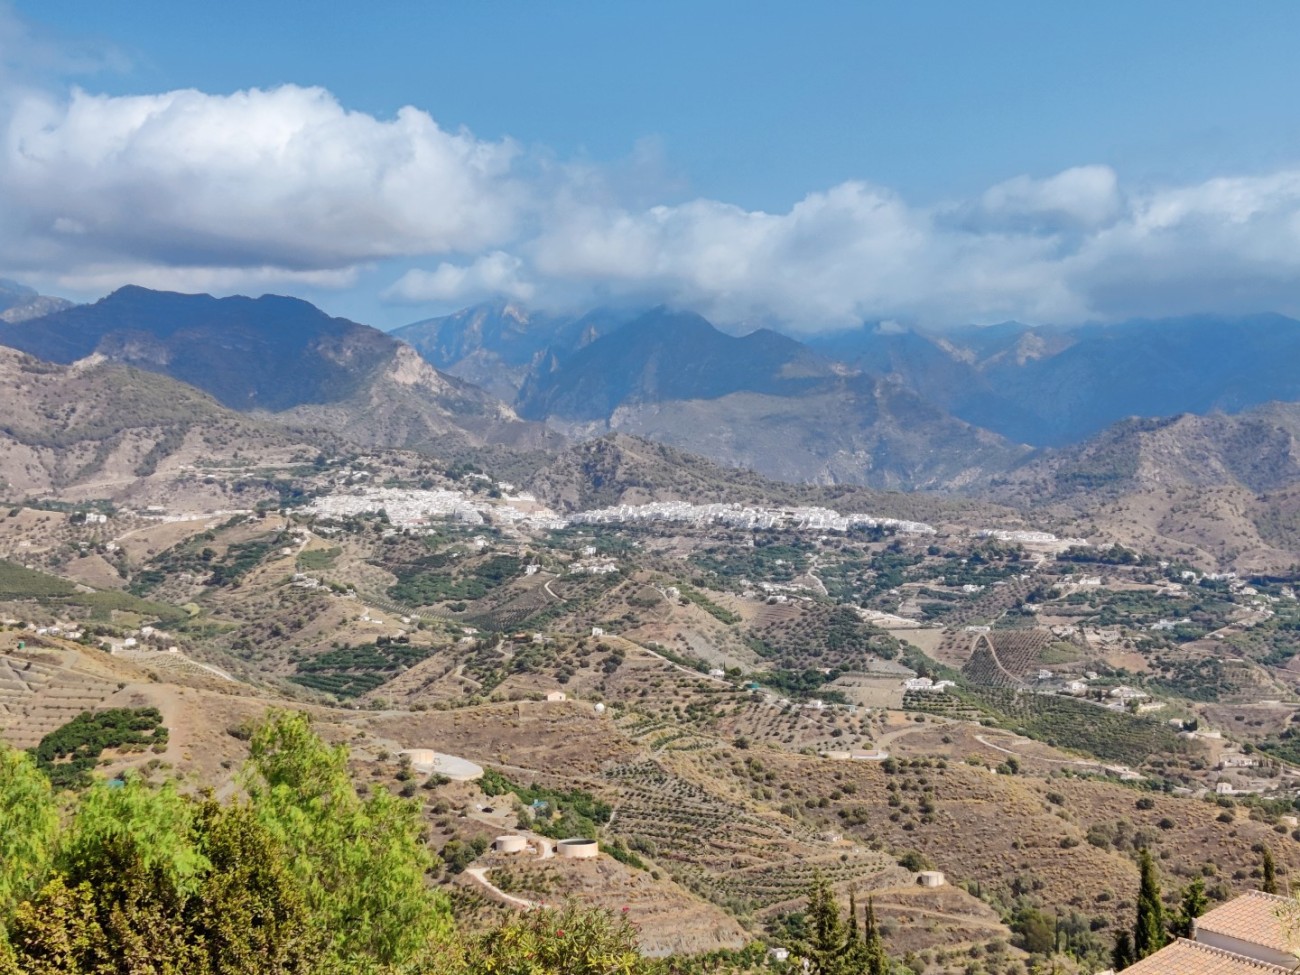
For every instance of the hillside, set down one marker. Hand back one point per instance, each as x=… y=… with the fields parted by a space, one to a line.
x=764 y=402
x=1057 y=386
x=1221 y=486
x=498 y=344
x=97 y=429
x=619 y=468
x=735 y=717
x=277 y=355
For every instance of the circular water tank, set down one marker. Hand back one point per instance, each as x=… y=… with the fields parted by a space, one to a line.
x=577 y=849
x=510 y=844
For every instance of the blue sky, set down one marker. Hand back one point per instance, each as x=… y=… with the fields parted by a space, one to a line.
x=811 y=165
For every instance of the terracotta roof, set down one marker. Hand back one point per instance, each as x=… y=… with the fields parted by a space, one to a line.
x=1252 y=917
x=1185 y=957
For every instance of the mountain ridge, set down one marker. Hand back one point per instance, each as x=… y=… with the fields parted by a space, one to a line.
x=279 y=356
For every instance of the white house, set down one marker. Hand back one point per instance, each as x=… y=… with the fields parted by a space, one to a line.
x=1126 y=693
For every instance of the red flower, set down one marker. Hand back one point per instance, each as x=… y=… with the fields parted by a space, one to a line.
x=559 y=934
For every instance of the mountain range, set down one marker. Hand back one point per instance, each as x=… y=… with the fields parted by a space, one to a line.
x=283 y=357
x=869 y=405
x=1057 y=386
x=1071 y=421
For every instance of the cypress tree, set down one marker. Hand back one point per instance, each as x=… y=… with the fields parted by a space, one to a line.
x=834 y=946
x=874 y=959
x=1149 y=927
x=828 y=942
x=1269 y=886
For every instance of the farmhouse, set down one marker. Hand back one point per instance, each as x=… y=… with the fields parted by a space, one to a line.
x=1249 y=935
x=1126 y=693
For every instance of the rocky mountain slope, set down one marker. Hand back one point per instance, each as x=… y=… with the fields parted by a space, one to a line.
x=278 y=355
x=19 y=303
x=621 y=469
x=1221 y=488
x=762 y=401
x=1053 y=387
x=98 y=429
x=498 y=344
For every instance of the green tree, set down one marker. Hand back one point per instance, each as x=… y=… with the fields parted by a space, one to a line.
x=133 y=850
x=831 y=944
x=873 y=957
x=1269 y=884
x=1149 y=926
x=29 y=824
x=1121 y=955
x=1191 y=905
x=1037 y=931
x=134 y=825
x=57 y=933
x=251 y=915
x=362 y=863
x=554 y=941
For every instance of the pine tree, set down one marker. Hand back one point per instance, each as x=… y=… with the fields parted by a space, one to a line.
x=1149 y=927
x=1192 y=906
x=1269 y=886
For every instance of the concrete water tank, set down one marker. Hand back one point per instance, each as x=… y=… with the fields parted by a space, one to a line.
x=577 y=849
x=510 y=844
x=930 y=878
x=421 y=758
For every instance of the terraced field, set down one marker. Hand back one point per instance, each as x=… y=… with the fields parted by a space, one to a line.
x=39 y=694
x=746 y=862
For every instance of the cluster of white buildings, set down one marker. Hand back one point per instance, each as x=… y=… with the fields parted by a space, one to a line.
x=415 y=508
x=1029 y=537
x=928 y=685
x=593 y=567
x=743 y=517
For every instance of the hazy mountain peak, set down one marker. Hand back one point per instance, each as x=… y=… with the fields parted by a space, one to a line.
x=19 y=303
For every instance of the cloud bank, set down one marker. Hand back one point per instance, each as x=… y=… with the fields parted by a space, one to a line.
x=272 y=188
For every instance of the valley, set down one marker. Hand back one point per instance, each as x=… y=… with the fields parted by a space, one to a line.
x=972 y=708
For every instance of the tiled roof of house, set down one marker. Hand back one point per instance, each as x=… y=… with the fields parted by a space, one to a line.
x=1185 y=957
x=1253 y=917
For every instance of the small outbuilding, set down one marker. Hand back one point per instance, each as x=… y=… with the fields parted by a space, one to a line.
x=930 y=878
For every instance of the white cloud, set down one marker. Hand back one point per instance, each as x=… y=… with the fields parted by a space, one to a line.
x=221 y=280
x=284 y=178
x=1083 y=197
x=286 y=188
x=494 y=274
x=1068 y=248
x=853 y=252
